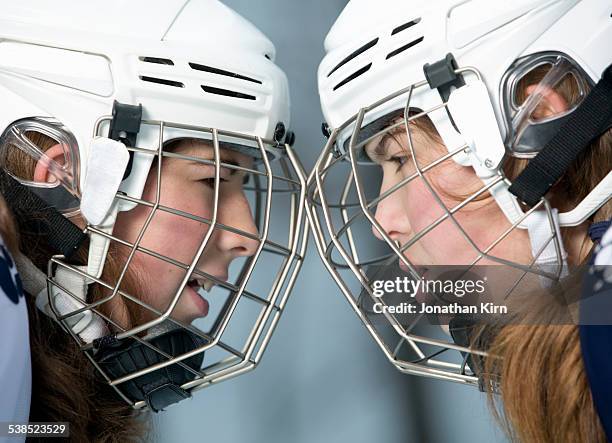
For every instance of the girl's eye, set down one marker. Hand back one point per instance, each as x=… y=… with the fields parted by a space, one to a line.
x=210 y=181
x=399 y=161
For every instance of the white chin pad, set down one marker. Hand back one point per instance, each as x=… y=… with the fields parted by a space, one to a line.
x=106 y=165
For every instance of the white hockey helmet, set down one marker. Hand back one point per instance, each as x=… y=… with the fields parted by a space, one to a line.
x=112 y=89
x=459 y=63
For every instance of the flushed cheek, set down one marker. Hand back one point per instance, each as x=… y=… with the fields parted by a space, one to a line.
x=420 y=206
x=442 y=244
x=482 y=219
x=175 y=237
x=162 y=282
x=178 y=236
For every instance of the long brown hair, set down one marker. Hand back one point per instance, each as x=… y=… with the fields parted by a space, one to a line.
x=65 y=385
x=545 y=395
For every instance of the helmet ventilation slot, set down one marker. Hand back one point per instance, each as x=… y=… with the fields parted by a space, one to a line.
x=218 y=71
x=405 y=26
x=353 y=76
x=403 y=48
x=227 y=93
x=157 y=60
x=371 y=44
x=162 y=81
x=350 y=57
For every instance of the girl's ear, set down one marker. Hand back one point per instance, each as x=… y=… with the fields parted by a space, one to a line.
x=552 y=103
x=41 y=171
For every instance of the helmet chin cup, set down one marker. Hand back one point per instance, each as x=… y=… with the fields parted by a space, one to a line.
x=158 y=388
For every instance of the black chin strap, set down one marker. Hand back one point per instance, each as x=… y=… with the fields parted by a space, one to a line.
x=162 y=387
x=33 y=214
x=591 y=119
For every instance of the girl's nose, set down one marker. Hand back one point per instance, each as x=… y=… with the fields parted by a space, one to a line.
x=390 y=214
x=236 y=213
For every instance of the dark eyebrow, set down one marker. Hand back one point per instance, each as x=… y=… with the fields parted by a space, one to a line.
x=223 y=162
x=224 y=156
x=232 y=162
x=382 y=147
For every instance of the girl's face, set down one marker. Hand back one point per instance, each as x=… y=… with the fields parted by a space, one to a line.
x=413 y=207
x=188 y=186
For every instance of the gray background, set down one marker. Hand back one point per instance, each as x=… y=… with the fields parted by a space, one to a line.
x=322 y=378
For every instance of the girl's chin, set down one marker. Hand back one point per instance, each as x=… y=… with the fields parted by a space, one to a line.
x=403 y=266
x=420 y=268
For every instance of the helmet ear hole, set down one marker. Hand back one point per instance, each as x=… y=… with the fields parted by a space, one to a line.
x=23 y=166
x=539 y=93
x=555 y=100
x=552 y=103
x=43 y=155
x=42 y=171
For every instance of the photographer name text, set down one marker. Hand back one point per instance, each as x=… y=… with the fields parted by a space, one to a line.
x=452 y=308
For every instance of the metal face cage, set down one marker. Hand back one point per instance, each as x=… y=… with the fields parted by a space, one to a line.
x=244 y=310
x=342 y=201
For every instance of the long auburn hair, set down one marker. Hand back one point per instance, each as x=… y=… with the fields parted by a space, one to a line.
x=65 y=385
x=545 y=394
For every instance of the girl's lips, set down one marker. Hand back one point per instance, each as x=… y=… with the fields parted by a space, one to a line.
x=200 y=302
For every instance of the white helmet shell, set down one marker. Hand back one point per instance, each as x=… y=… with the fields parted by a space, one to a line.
x=377 y=48
x=174 y=69
x=458 y=63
